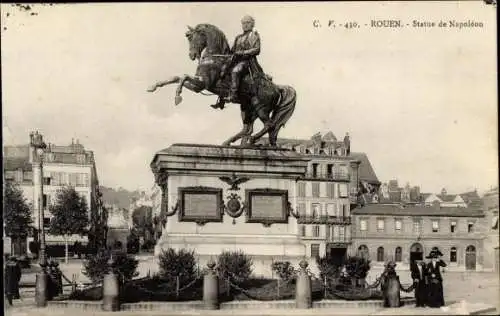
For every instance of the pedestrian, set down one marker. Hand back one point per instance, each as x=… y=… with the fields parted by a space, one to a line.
x=418 y=270
x=12 y=276
x=435 y=288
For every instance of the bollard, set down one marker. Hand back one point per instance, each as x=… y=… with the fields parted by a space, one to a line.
x=211 y=288
x=110 y=290
x=303 y=290
x=41 y=287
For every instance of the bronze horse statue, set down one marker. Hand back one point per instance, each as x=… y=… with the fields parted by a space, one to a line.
x=258 y=96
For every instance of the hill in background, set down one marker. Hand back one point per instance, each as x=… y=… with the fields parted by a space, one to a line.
x=119 y=197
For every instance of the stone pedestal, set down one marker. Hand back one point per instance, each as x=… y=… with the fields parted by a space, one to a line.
x=229 y=198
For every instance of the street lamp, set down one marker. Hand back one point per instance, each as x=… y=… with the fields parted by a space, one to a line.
x=36 y=141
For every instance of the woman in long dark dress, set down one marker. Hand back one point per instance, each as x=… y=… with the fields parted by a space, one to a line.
x=12 y=277
x=435 y=286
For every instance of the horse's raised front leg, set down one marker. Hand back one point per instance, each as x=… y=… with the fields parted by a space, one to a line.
x=190 y=82
x=160 y=84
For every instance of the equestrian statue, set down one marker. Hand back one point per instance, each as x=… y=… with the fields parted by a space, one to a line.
x=235 y=76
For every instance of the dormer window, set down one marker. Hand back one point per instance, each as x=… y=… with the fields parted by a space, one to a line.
x=80 y=158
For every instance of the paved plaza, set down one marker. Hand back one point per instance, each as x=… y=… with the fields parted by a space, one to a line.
x=473 y=287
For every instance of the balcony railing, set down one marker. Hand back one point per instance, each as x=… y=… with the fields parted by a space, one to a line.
x=324 y=219
x=339 y=240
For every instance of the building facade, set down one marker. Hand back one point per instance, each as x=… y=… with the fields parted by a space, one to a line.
x=383 y=232
x=328 y=191
x=491 y=238
x=70 y=165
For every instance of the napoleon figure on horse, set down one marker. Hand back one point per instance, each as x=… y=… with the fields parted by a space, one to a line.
x=246 y=84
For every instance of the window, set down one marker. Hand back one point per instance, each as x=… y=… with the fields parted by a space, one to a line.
x=82 y=179
x=343 y=192
x=363 y=225
x=316 y=209
x=28 y=176
x=342 y=171
x=329 y=171
x=46 y=180
x=470 y=227
x=314 y=170
x=494 y=221
x=416 y=226
x=453 y=254
x=345 y=209
x=453 y=226
x=316 y=231
x=363 y=251
x=342 y=233
x=380 y=224
x=73 y=179
x=10 y=175
x=49 y=157
x=397 y=224
x=314 y=250
x=302 y=230
x=315 y=189
x=330 y=190
x=301 y=208
x=80 y=158
x=335 y=232
x=302 y=189
x=330 y=209
x=435 y=226
x=380 y=254
x=398 y=254
x=46 y=221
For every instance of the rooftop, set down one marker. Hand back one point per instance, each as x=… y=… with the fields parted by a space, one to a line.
x=366 y=172
x=16 y=163
x=18 y=156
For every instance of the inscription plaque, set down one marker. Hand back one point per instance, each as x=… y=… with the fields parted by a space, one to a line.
x=200 y=204
x=267 y=206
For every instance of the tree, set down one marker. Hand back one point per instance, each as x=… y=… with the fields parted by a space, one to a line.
x=142 y=219
x=17 y=214
x=70 y=215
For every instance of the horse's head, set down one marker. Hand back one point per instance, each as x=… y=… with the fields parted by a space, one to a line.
x=206 y=36
x=197 y=42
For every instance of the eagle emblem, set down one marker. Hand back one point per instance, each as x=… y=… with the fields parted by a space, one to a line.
x=234 y=181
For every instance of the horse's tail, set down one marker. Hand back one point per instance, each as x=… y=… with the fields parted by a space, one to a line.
x=285 y=106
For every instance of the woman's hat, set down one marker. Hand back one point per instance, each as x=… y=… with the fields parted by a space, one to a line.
x=435 y=253
x=390 y=264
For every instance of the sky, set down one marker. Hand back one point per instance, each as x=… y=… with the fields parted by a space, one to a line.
x=421 y=102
